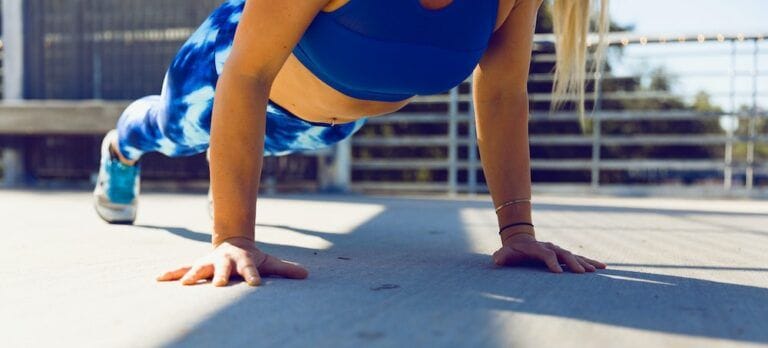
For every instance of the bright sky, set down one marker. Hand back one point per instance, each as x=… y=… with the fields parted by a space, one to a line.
x=687 y=16
x=689 y=62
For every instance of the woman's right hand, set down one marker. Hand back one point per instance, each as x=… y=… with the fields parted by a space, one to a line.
x=236 y=254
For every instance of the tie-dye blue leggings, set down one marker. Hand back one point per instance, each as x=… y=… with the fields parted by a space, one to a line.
x=178 y=122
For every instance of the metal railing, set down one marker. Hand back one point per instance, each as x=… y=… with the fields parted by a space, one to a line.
x=460 y=136
x=749 y=168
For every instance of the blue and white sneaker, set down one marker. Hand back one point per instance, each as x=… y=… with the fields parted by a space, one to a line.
x=117 y=187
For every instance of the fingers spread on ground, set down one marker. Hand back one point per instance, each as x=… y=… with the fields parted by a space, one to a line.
x=200 y=271
x=551 y=260
x=248 y=270
x=588 y=267
x=597 y=264
x=282 y=268
x=549 y=257
x=173 y=275
x=570 y=260
x=222 y=272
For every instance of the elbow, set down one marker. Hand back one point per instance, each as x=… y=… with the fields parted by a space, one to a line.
x=516 y=100
x=502 y=107
x=501 y=90
x=257 y=76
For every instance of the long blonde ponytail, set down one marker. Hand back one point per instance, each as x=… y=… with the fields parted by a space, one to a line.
x=571 y=23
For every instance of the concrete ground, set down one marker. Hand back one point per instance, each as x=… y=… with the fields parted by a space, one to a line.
x=386 y=271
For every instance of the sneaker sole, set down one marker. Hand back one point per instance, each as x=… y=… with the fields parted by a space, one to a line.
x=116 y=214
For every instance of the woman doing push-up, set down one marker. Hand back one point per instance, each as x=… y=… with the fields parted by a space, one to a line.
x=268 y=78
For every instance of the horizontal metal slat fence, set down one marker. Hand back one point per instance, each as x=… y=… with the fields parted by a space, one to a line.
x=104 y=49
x=752 y=170
x=119 y=50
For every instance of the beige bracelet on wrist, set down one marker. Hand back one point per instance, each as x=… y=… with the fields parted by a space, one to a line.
x=512 y=202
x=218 y=242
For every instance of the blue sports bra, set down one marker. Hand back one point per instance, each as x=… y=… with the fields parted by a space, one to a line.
x=391 y=50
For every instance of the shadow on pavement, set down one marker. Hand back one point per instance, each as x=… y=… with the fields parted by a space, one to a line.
x=385 y=284
x=181 y=232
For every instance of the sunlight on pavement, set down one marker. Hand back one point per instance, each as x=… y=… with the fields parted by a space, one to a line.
x=634 y=279
x=480 y=227
x=502 y=297
x=302 y=223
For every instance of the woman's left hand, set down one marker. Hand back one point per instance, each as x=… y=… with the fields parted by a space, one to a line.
x=523 y=249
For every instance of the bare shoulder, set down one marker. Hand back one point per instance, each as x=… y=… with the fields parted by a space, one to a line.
x=266 y=34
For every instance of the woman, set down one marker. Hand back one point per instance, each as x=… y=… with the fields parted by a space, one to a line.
x=288 y=76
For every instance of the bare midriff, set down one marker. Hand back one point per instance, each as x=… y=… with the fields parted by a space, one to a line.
x=299 y=91
x=302 y=93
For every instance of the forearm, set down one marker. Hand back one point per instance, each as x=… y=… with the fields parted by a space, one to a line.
x=502 y=136
x=237 y=147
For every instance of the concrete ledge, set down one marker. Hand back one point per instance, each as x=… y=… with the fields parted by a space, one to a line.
x=58 y=117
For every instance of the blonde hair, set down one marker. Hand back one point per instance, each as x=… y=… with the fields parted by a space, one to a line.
x=571 y=23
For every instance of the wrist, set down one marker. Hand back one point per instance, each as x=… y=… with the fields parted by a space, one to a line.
x=514 y=213
x=218 y=241
x=517 y=234
x=225 y=230
x=515 y=220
